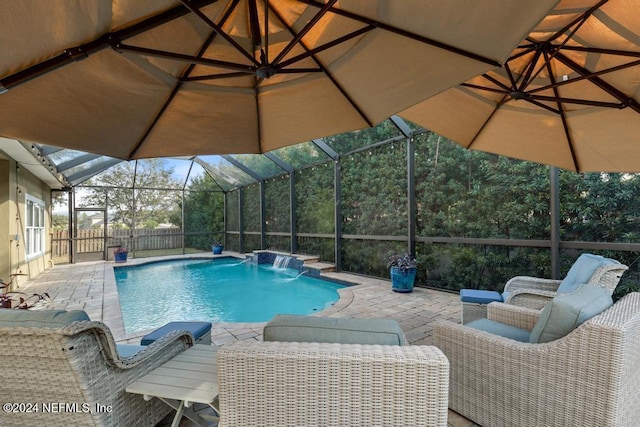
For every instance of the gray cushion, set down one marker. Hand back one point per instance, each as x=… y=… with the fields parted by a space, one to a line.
x=40 y=318
x=501 y=329
x=581 y=271
x=566 y=312
x=293 y=328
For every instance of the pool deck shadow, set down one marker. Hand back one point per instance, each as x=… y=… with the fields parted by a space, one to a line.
x=91 y=287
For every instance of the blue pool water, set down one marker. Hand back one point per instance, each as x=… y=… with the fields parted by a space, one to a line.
x=222 y=290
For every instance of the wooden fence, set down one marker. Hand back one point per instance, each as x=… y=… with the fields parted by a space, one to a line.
x=90 y=241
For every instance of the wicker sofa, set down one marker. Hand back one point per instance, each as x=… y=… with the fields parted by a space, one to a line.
x=292 y=384
x=535 y=292
x=587 y=378
x=74 y=366
x=317 y=371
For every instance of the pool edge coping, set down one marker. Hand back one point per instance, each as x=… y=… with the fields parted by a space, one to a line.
x=111 y=298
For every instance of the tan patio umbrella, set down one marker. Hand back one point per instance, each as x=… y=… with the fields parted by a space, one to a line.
x=567 y=96
x=152 y=78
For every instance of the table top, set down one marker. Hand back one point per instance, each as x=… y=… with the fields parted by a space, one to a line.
x=191 y=376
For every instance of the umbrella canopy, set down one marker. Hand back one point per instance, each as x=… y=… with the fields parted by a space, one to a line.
x=567 y=96
x=152 y=78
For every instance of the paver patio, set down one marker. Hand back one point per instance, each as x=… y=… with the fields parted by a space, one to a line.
x=91 y=287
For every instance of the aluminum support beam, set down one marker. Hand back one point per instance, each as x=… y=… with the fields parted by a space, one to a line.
x=555 y=221
x=411 y=198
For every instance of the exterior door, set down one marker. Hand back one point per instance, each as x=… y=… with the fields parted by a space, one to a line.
x=90 y=234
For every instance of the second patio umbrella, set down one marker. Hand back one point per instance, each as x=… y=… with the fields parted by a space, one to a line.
x=567 y=96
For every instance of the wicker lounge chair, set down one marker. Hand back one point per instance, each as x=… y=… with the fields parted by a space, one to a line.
x=586 y=378
x=535 y=292
x=76 y=369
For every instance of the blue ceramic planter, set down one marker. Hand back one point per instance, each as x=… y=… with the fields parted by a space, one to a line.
x=402 y=280
x=217 y=249
x=120 y=256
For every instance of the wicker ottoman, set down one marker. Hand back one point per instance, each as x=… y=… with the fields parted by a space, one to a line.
x=474 y=303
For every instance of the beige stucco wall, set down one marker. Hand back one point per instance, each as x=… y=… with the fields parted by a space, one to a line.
x=15 y=183
x=5 y=267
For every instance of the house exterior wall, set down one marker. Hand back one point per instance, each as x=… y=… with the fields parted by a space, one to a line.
x=5 y=245
x=15 y=184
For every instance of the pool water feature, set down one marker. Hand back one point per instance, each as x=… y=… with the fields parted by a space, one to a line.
x=219 y=290
x=282 y=261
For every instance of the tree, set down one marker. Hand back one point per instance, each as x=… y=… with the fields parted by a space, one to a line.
x=148 y=203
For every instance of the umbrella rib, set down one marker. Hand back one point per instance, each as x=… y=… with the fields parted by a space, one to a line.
x=178 y=86
x=604 y=51
x=529 y=71
x=485 y=88
x=526 y=49
x=512 y=79
x=196 y=11
x=546 y=46
x=254 y=26
x=626 y=100
x=212 y=77
x=309 y=25
x=185 y=58
x=497 y=82
x=579 y=18
x=585 y=76
x=406 y=33
x=266 y=30
x=326 y=72
x=563 y=118
x=541 y=105
x=325 y=46
x=617 y=105
x=83 y=51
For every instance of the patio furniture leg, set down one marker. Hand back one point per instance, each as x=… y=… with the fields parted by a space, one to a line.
x=184 y=409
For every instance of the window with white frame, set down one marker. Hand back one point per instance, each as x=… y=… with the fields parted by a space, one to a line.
x=34 y=238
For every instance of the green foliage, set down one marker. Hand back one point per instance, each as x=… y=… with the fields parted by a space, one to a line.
x=314 y=199
x=233 y=211
x=626 y=287
x=462 y=193
x=203 y=213
x=59 y=222
x=323 y=247
x=251 y=209
x=349 y=141
x=278 y=205
x=374 y=192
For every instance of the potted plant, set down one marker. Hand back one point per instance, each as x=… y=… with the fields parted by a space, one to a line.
x=403 y=272
x=120 y=254
x=5 y=301
x=217 y=248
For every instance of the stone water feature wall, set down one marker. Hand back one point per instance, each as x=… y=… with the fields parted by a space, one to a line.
x=266 y=257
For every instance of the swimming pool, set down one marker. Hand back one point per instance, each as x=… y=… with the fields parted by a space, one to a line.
x=220 y=290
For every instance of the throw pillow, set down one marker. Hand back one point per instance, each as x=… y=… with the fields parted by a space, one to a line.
x=566 y=312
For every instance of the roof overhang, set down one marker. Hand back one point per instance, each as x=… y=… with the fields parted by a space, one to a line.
x=29 y=157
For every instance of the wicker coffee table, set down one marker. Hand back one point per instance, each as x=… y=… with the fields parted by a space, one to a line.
x=188 y=378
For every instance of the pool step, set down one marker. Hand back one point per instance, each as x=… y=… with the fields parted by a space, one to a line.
x=309 y=261
x=324 y=267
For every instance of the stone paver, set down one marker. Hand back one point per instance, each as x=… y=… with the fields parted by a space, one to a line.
x=91 y=287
